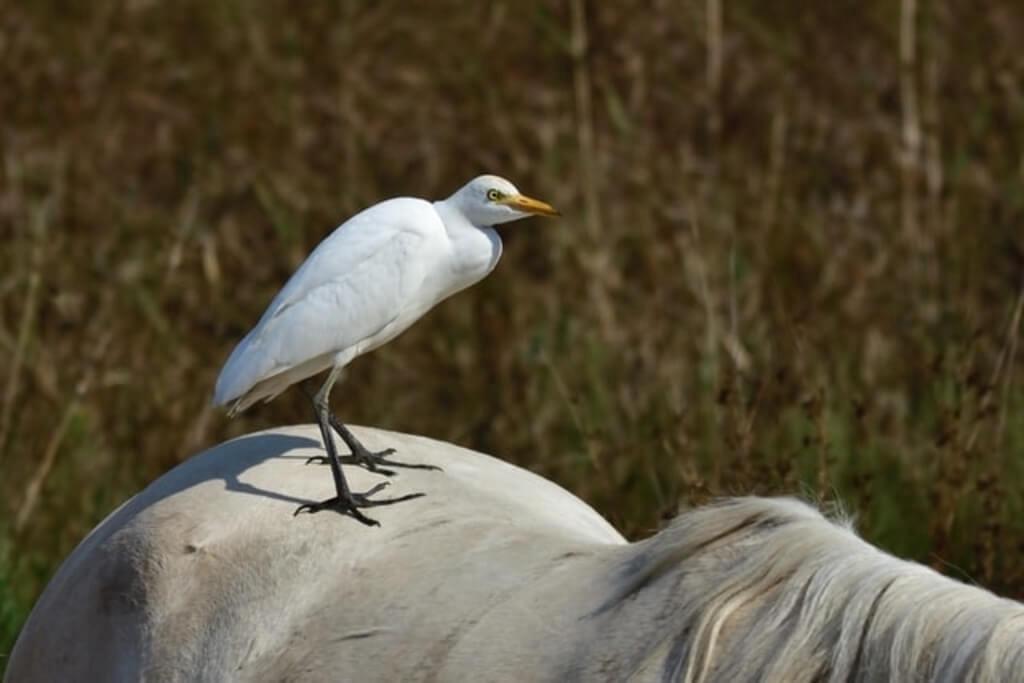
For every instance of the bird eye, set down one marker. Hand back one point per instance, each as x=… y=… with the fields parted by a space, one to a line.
x=493 y=195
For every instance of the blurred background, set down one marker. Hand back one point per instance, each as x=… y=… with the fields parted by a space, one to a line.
x=791 y=259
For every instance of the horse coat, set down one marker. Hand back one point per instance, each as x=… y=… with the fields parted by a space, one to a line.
x=495 y=575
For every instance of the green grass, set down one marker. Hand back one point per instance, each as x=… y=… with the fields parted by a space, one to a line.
x=749 y=292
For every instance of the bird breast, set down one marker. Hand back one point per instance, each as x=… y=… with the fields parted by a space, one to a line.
x=471 y=257
x=476 y=253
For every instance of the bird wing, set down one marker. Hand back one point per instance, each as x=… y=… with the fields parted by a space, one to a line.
x=360 y=279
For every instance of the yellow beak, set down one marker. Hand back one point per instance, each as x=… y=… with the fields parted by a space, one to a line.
x=521 y=202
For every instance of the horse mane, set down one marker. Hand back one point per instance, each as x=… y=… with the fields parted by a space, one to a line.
x=770 y=589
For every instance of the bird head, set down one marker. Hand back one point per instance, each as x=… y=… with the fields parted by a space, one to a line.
x=490 y=200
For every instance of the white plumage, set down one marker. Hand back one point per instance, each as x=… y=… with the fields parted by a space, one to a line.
x=363 y=284
x=367 y=282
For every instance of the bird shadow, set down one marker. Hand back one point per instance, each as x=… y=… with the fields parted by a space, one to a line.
x=248 y=451
x=227 y=463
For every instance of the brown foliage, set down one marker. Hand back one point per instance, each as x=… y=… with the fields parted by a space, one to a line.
x=791 y=258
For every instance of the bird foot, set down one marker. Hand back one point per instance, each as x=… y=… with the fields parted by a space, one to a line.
x=372 y=460
x=350 y=505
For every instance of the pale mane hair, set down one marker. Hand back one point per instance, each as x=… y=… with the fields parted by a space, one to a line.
x=758 y=589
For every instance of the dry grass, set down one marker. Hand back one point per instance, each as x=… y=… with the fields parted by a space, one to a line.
x=792 y=258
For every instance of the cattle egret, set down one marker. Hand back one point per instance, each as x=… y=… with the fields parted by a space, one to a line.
x=367 y=282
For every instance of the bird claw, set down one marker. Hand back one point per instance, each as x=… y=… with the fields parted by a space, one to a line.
x=369 y=463
x=350 y=505
x=372 y=460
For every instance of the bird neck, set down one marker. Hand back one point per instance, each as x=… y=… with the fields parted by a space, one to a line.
x=475 y=248
x=454 y=218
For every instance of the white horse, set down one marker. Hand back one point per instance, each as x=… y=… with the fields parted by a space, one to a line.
x=495 y=575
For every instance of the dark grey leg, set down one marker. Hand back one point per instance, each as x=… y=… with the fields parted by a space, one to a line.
x=370 y=459
x=345 y=502
x=361 y=455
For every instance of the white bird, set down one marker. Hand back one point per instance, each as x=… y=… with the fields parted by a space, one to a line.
x=366 y=283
